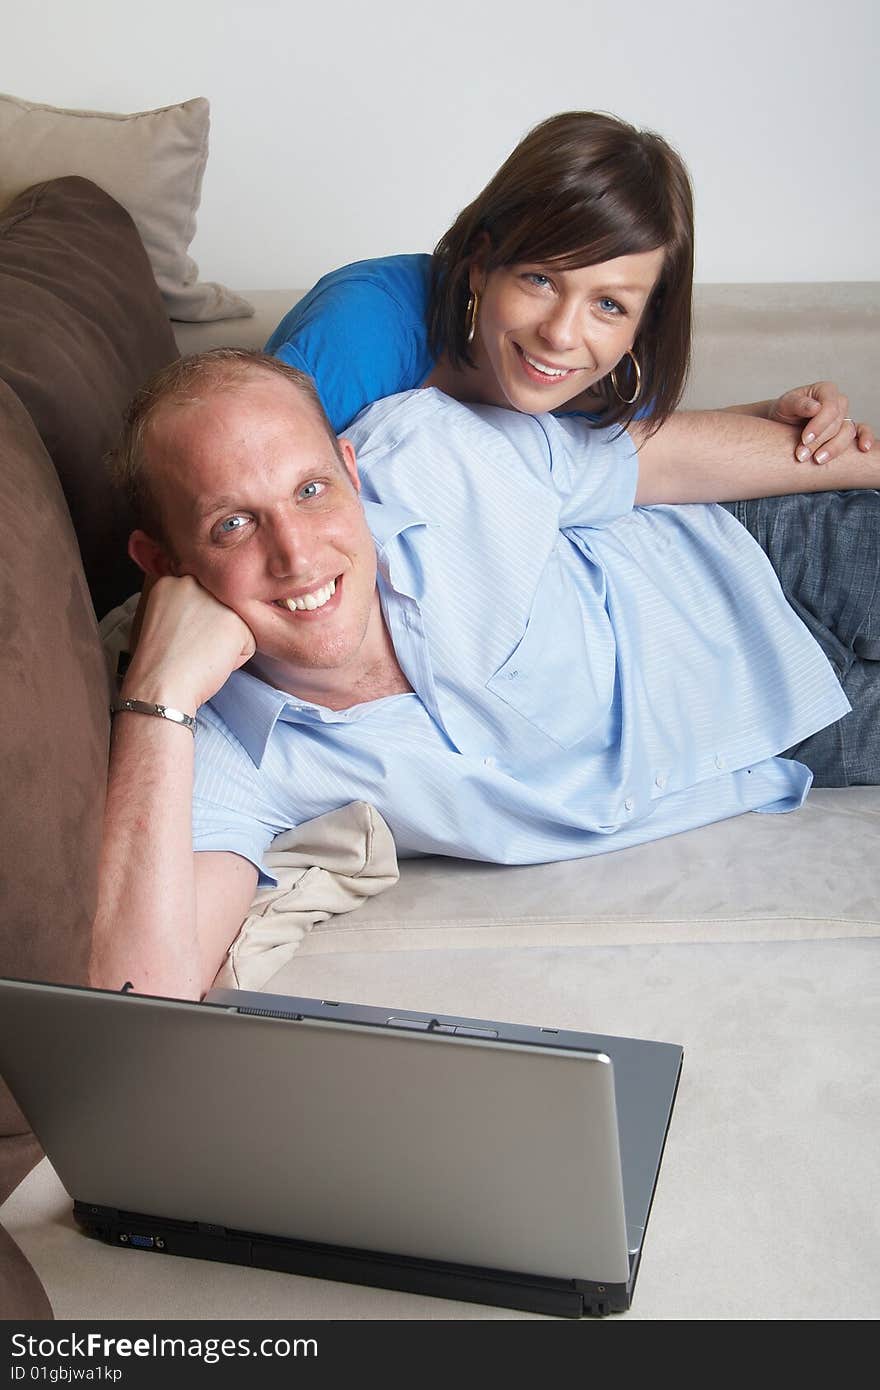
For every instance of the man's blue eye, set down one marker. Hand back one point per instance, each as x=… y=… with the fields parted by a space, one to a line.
x=232 y=523
x=310 y=490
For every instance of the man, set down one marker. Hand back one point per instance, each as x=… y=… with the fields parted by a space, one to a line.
x=478 y=635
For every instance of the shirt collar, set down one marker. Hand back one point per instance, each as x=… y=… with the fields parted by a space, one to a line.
x=250 y=708
x=387 y=520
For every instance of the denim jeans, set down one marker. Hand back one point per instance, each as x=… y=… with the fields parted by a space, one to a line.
x=825 y=549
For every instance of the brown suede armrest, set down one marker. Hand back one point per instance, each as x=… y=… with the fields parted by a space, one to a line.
x=83 y=326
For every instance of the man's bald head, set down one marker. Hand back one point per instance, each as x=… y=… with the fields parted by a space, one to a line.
x=187 y=383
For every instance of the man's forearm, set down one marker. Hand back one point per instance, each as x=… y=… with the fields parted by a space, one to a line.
x=716 y=456
x=165 y=916
x=145 y=929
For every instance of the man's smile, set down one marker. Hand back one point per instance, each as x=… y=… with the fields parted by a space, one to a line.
x=311 y=601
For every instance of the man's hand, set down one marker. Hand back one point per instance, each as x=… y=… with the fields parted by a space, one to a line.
x=189 y=644
x=819 y=411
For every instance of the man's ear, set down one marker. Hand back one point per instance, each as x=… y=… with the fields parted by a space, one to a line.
x=150 y=555
x=348 y=458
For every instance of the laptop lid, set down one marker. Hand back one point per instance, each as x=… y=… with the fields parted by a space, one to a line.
x=646 y=1076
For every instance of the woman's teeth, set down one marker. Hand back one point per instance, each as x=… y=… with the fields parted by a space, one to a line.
x=543 y=368
x=307 y=602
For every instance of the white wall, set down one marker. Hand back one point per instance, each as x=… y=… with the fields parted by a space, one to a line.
x=359 y=127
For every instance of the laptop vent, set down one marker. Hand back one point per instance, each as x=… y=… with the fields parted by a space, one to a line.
x=272 y=1013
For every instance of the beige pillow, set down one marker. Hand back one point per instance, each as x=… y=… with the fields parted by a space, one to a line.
x=152 y=162
x=326 y=866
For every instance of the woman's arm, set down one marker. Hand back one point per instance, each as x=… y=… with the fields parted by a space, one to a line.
x=820 y=413
x=718 y=456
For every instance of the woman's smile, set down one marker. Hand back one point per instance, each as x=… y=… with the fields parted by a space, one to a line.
x=544 y=373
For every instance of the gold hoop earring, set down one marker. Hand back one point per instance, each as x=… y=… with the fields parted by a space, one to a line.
x=470 y=317
x=628 y=400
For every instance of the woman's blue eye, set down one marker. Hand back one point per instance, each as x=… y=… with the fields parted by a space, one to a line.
x=609 y=306
x=536 y=278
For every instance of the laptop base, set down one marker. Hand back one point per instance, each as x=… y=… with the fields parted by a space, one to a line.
x=527 y=1293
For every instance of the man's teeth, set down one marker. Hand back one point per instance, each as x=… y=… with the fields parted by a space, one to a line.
x=543 y=368
x=307 y=602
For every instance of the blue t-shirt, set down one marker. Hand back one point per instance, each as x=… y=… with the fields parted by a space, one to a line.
x=361 y=333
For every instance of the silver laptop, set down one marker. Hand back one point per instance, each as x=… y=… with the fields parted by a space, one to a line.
x=455 y=1157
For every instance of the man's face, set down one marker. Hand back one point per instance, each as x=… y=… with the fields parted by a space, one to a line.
x=257 y=506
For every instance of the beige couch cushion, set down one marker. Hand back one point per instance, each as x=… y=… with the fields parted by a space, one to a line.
x=811 y=875
x=152 y=162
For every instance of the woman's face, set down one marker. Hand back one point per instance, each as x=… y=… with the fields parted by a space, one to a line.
x=544 y=335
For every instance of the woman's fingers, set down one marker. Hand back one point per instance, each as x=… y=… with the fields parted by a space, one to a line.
x=820 y=410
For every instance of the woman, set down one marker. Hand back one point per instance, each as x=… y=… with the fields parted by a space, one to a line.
x=577 y=254
x=566 y=286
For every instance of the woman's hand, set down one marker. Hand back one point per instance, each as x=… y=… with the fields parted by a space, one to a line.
x=827 y=429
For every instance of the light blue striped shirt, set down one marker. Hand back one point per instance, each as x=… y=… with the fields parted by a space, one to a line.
x=586 y=675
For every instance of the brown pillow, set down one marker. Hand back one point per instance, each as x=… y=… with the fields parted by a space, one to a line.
x=83 y=326
x=53 y=741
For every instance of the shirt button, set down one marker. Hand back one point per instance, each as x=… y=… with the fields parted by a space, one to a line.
x=719 y=762
x=488 y=762
x=629 y=803
x=660 y=781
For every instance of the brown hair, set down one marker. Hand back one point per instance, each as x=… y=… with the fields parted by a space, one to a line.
x=187 y=381
x=582 y=188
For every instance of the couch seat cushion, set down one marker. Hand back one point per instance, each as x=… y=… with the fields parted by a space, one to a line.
x=810 y=875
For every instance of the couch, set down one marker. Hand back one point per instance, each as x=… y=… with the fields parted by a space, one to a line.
x=752 y=942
